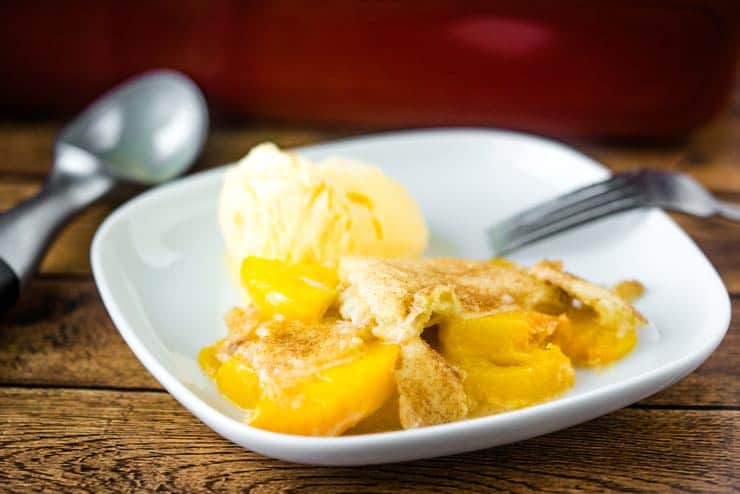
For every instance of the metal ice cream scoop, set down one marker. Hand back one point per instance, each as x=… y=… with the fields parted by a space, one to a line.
x=147 y=130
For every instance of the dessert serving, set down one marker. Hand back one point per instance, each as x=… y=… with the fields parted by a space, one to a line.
x=344 y=329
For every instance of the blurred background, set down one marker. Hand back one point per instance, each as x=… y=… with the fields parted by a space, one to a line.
x=613 y=69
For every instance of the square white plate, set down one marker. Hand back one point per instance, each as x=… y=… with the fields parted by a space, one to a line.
x=159 y=265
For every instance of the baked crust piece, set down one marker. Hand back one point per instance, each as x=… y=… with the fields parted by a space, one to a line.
x=430 y=391
x=613 y=310
x=398 y=298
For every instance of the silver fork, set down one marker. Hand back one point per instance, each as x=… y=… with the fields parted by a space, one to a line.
x=644 y=188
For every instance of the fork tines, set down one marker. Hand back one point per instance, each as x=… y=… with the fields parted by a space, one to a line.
x=619 y=193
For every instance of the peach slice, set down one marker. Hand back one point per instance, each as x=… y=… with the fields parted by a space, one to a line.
x=506 y=360
x=333 y=400
x=589 y=343
x=297 y=291
x=238 y=382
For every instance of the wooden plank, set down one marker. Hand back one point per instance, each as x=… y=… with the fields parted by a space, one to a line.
x=60 y=335
x=62 y=440
x=27 y=148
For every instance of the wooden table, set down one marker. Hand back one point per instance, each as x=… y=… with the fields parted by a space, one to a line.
x=79 y=412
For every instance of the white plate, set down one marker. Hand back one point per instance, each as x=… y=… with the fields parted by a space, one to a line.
x=159 y=265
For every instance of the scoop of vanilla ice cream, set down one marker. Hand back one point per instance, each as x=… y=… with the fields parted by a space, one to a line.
x=278 y=205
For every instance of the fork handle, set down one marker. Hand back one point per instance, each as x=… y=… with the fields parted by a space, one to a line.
x=729 y=211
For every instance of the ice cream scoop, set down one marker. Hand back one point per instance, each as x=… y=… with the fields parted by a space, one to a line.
x=145 y=131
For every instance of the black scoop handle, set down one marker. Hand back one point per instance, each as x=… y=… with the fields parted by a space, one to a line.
x=10 y=286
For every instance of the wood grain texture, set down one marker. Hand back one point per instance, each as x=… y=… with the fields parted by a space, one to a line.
x=66 y=440
x=60 y=335
x=27 y=148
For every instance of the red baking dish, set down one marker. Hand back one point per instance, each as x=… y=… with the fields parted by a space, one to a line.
x=613 y=68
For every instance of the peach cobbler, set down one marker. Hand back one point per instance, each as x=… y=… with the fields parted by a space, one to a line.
x=370 y=344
